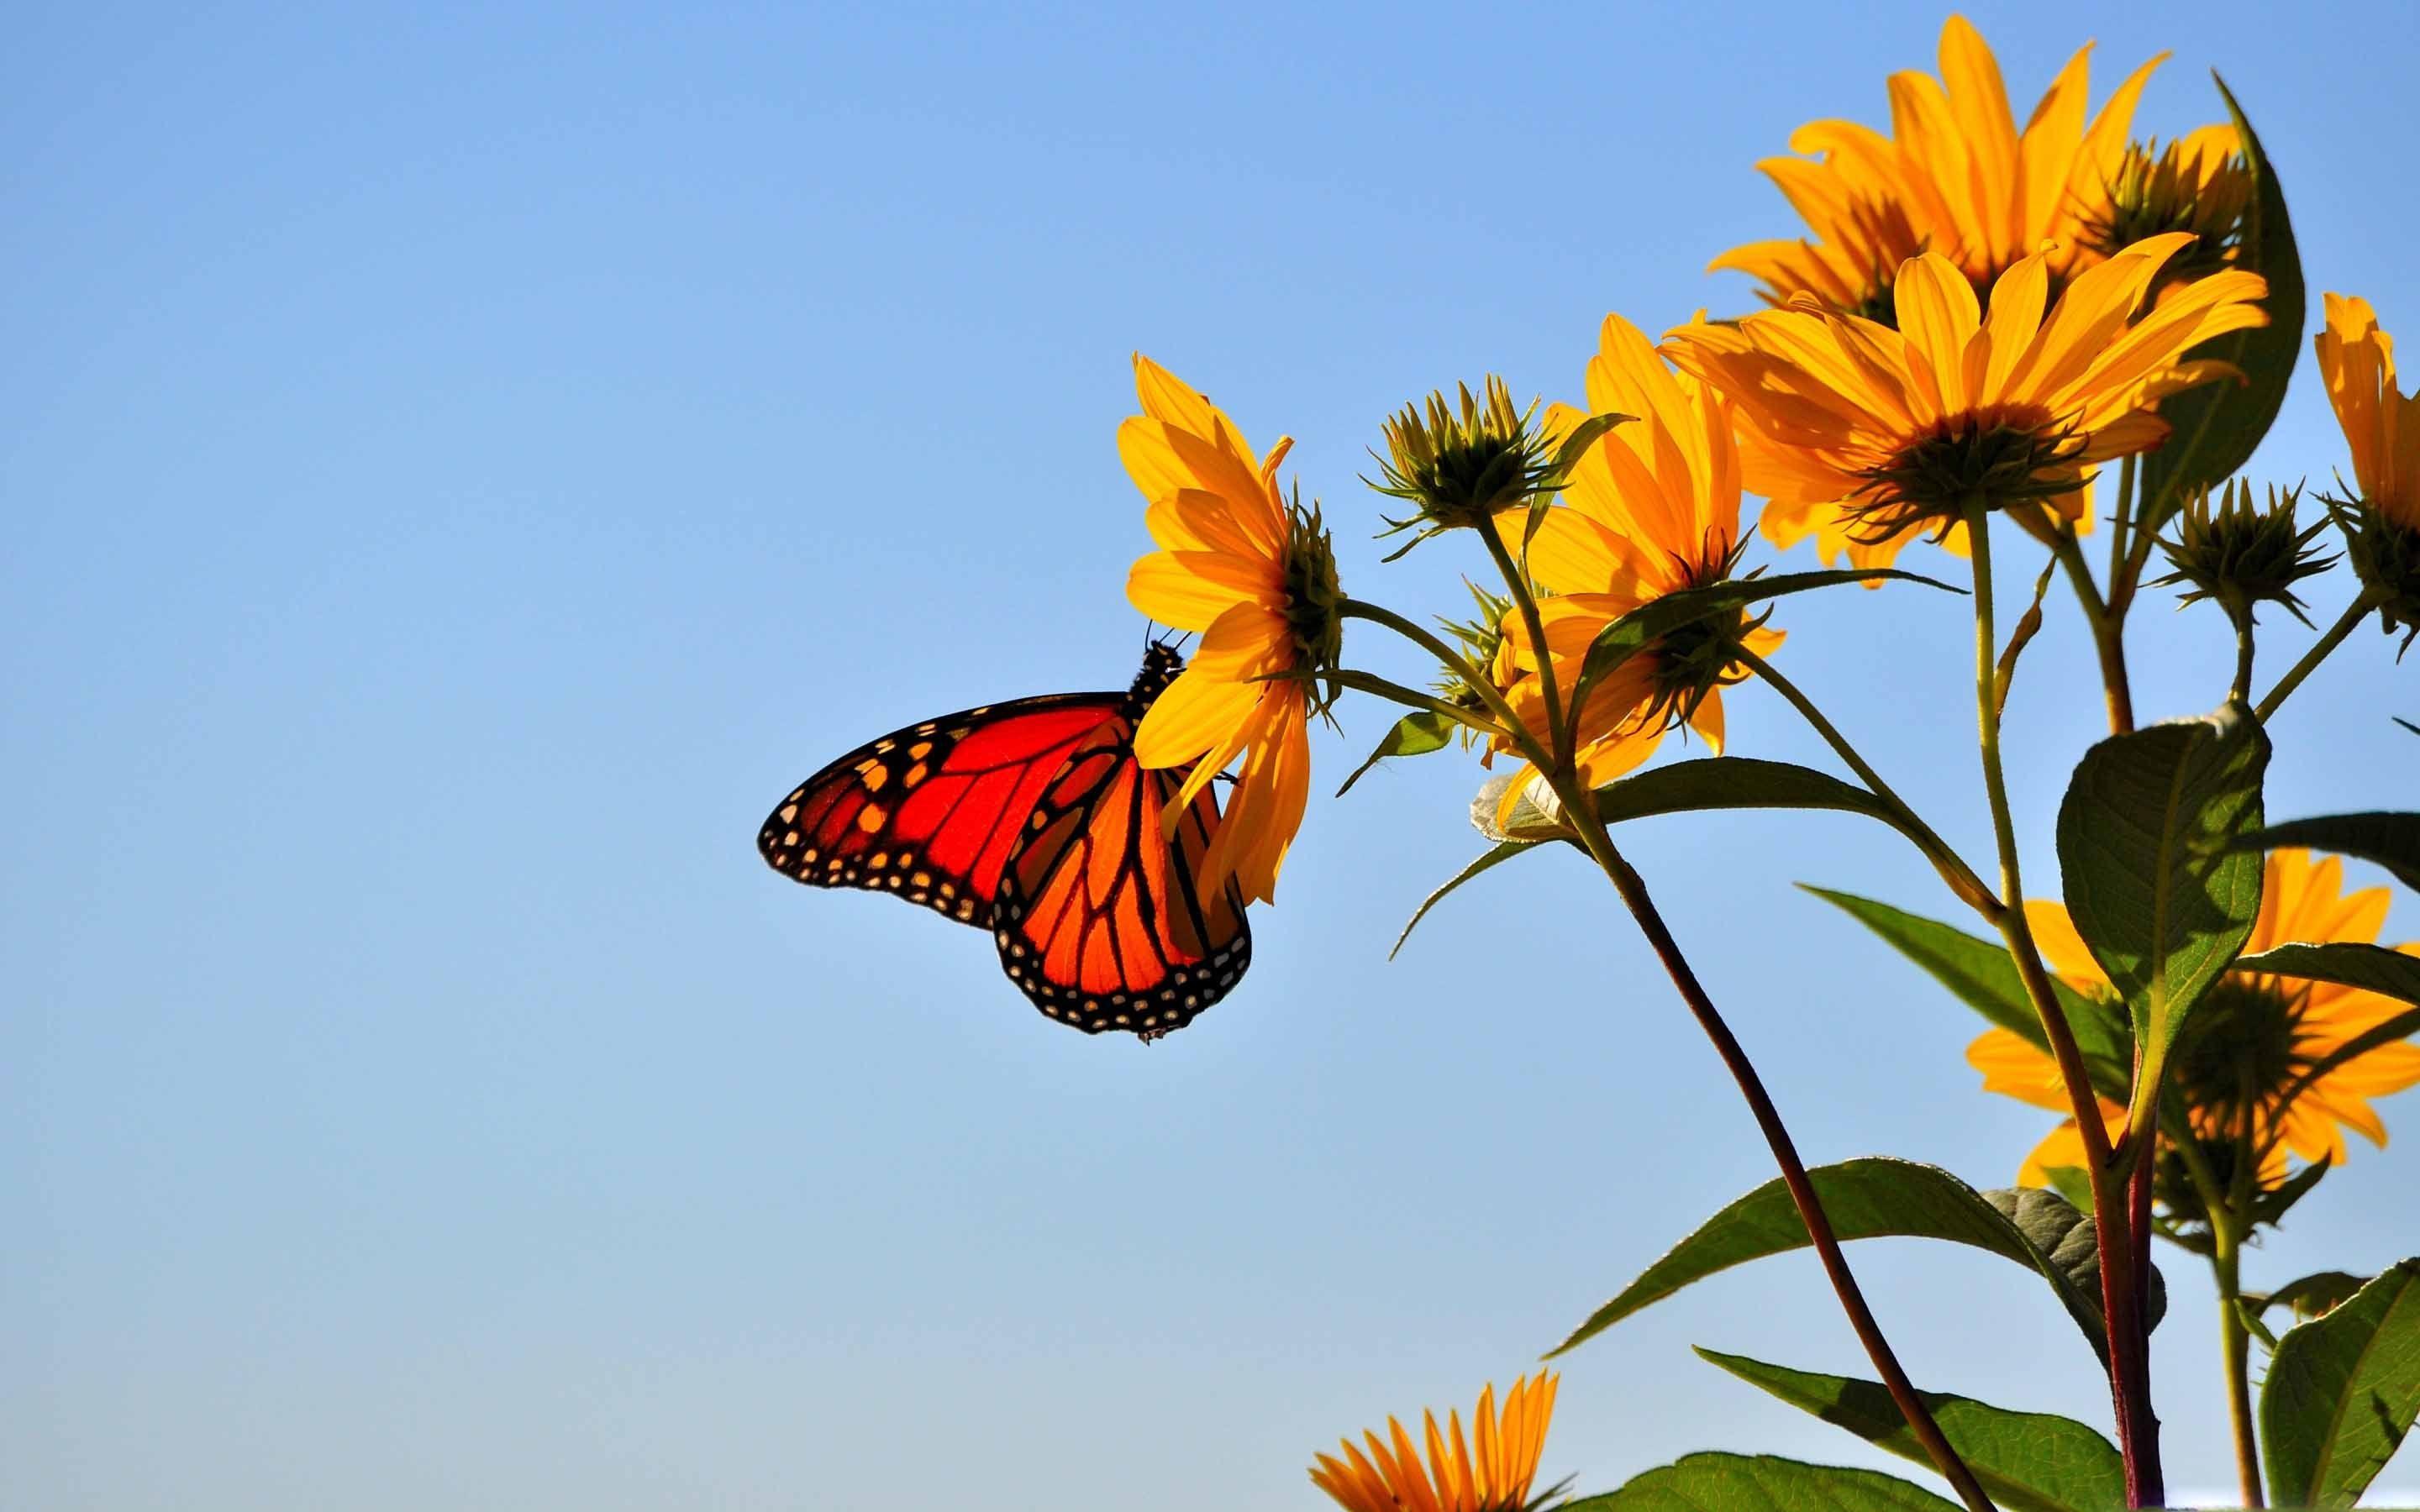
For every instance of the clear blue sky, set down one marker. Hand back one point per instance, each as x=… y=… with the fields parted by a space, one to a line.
x=461 y=466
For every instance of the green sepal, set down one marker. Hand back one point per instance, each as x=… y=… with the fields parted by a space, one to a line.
x=2027 y=1461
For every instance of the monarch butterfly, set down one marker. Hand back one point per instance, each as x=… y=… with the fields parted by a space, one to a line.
x=1034 y=821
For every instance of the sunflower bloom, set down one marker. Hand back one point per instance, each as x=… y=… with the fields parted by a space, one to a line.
x=2382 y=425
x=2248 y=1044
x=1651 y=509
x=1257 y=579
x=1902 y=428
x=1955 y=178
x=1492 y=1475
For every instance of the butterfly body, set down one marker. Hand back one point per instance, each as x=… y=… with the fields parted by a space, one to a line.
x=1034 y=821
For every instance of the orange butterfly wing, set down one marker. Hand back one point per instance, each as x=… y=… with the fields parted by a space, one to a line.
x=1101 y=917
x=930 y=812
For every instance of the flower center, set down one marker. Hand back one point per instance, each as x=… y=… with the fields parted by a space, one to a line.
x=2242 y=1049
x=2001 y=453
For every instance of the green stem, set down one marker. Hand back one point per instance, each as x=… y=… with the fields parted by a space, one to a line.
x=1627 y=881
x=2120 y=521
x=1453 y=661
x=2129 y=1359
x=1953 y=867
x=2363 y=603
x=2240 y=691
x=1516 y=581
x=1398 y=693
x=2108 y=630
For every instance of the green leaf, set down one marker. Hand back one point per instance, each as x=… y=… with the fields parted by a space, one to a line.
x=2067 y=1234
x=1651 y=622
x=2272 y=1205
x=2342 y=1391
x=2405 y=723
x=2028 y=1461
x=2388 y=840
x=1760 y=1483
x=1491 y=859
x=1414 y=734
x=1980 y=974
x=2074 y=1182
x=1732 y=782
x=2214 y=429
x=2311 y=1296
x=2143 y=852
x=2348 y=963
x=1870 y=1197
x=1567 y=456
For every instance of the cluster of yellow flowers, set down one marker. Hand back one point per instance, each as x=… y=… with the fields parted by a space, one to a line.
x=1975 y=318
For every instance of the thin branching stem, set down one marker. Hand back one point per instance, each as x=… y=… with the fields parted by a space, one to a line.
x=2363 y=603
x=1954 y=870
x=1627 y=881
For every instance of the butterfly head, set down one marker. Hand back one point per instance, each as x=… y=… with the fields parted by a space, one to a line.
x=1161 y=662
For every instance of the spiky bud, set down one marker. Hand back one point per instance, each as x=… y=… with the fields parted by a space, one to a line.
x=2238 y=553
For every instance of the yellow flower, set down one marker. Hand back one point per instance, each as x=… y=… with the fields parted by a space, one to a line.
x=2380 y=424
x=1492 y=1476
x=2253 y=1034
x=1901 y=428
x=1955 y=178
x=1257 y=579
x=2199 y=183
x=1652 y=508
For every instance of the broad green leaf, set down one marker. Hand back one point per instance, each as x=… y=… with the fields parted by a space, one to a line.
x=2389 y=839
x=2028 y=1461
x=1870 y=1197
x=1732 y=782
x=1651 y=622
x=2067 y=1234
x=1491 y=859
x=2341 y=1393
x=2214 y=427
x=2349 y=962
x=1980 y=974
x=1414 y=734
x=2143 y=852
x=1760 y=1483
x=2316 y=1295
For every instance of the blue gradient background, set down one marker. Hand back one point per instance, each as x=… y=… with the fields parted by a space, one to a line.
x=461 y=466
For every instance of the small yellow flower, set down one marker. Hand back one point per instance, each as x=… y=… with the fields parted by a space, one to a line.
x=2253 y=1034
x=1955 y=178
x=1900 y=428
x=1258 y=581
x=2380 y=424
x=1492 y=1475
x=1652 y=508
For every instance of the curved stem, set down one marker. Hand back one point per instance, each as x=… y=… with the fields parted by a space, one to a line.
x=1398 y=693
x=1453 y=661
x=2363 y=603
x=1517 y=583
x=2128 y=1357
x=1632 y=888
x=1953 y=867
x=2108 y=631
x=2121 y=519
